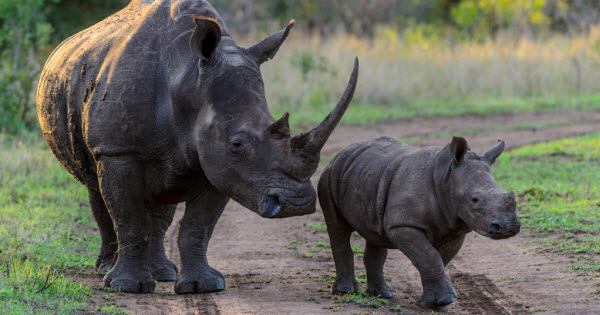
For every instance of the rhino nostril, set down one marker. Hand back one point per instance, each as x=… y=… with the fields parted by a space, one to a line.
x=273 y=205
x=495 y=228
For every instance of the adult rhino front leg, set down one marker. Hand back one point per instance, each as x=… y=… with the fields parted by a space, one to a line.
x=437 y=291
x=121 y=185
x=161 y=268
x=196 y=227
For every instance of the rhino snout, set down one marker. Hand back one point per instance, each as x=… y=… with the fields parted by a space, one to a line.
x=499 y=229
x=282 y=204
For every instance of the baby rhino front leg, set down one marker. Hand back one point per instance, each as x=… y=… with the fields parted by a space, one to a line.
x=437 y=291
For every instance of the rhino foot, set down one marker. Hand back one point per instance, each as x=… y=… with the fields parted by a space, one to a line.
x=206 y=282
x=130 y=281
x=438 y=298
x=164 y=270
x=105 y=262
x=384 y=293
x=341 y=286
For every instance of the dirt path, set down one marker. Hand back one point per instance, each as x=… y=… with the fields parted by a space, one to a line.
x=265 y=277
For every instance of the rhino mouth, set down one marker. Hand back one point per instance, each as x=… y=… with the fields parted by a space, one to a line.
x=278 y=204
x=499 y=231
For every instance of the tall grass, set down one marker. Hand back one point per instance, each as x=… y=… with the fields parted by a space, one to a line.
x=412 y=74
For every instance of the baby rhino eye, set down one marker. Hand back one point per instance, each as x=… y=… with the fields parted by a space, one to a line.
x=475 y=198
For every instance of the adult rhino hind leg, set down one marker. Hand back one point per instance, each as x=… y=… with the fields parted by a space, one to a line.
x=109 y=246
x=121 y=185
x=162 y=269
x=195 y=229
x=374 y=259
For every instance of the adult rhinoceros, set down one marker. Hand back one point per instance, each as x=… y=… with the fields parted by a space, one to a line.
x=157 y=105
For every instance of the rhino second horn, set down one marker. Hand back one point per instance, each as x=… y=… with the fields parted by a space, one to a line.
x=494 y=152
x=313 y=141
x=280 y=128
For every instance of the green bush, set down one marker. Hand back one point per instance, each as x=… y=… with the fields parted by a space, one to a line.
x=23 y=32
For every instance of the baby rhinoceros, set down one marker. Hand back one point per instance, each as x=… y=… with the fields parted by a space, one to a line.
x=421 y=201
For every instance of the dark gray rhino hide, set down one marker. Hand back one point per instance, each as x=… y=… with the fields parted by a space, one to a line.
x=421 y=201
x=157 y=105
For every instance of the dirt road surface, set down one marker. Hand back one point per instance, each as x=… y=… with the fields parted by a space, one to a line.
x=264 y=276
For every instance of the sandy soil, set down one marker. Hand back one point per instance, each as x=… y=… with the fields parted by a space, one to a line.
x=492 y=277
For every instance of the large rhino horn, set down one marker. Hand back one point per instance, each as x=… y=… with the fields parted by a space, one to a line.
x=311 y=143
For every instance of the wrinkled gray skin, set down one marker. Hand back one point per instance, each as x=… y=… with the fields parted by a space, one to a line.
x=157 y=105
x=421 y=201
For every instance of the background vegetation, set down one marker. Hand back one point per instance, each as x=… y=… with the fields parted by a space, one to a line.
x=419 y=57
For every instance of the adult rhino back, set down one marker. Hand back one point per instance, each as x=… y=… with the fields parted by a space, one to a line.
x=158 y=105
x=104 y=90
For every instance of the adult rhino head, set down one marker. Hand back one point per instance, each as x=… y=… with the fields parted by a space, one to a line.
x=244 y=152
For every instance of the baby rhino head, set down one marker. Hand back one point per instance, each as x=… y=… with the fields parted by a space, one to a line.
x=473 y=193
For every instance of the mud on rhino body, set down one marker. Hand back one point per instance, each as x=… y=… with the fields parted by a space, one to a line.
x=421 y=201
x=157 y=105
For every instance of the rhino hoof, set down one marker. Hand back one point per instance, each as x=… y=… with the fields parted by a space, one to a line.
x=130 y=283
x=165 y=274
x=207 y=284
x=104 y=268
x=438 y=304
x=384 y=294
x=167 y=271
x=105 y=263
x=344 y=287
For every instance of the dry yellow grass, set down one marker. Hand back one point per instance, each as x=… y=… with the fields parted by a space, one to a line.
x=407 y=69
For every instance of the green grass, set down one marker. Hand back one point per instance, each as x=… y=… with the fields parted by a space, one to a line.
x=317 y=226
x=360 y=298
x=557 y=184
x=46 y=232
x=111 y=309
x=313 y=112
x=291 y=245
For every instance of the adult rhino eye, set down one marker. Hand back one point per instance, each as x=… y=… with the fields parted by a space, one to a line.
x=475 y=198
x=237 y=147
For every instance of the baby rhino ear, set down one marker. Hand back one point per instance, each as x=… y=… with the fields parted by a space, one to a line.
x=458 y=147
x=206 y=38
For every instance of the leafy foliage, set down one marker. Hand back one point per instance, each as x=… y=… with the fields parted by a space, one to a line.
x=24 y=31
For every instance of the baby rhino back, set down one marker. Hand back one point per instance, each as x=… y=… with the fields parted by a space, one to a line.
x=356 y=182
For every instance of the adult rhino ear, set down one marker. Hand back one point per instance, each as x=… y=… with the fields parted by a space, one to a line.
x=458 y=147
x=491 y=155
x=267 y=49
x=206 y=38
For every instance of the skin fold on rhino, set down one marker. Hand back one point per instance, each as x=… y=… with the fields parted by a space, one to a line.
x=421 y=201
x=157 y=105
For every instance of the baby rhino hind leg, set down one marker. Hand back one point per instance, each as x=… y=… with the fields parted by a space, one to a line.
x=339 y=237
x=374 y=259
